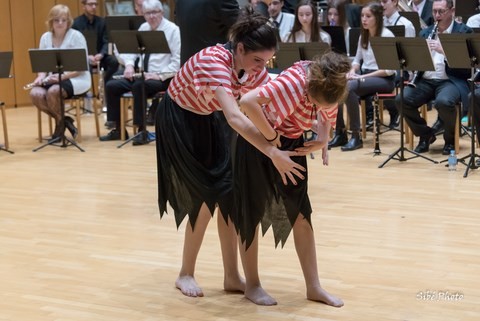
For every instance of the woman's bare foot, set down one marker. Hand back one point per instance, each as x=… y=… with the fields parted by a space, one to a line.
x=188 y=286
x=317 y=293
x=259 y=296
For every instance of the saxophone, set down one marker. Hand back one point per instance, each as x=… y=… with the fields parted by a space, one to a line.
x=418 y=74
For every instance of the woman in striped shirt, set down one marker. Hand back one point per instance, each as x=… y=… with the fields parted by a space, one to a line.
x=193 y=140
x=303 y=97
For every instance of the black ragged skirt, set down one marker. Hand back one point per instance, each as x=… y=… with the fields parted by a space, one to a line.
x=193 y=161
x=262 y=198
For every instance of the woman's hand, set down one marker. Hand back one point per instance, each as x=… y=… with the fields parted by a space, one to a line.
x=286 y=166
x=52 y=79
x=309 y=147
x=325 y=155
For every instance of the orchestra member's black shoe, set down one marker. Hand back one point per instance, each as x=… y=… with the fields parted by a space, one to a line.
x=114 y=134
x=339 y=139
x=424 y=144
x=354 y=143
x=394 y=119
x=447 y=148
x=71 y=127
x=437 y=127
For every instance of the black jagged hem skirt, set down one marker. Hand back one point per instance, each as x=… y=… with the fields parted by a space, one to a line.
x=262 y=198
x=193 y=161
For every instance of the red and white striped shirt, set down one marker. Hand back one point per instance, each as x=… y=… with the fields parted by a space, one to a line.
x=195 y=84
x=289 y=110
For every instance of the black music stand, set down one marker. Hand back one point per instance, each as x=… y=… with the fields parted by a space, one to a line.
x=5 y=65
x=338 y=38
x=353 y=37
x=141 y=42
x=407 y=54
x=57 y=61
x=311 y=50
x=466 y=9
x=288 y=53
x=463 y=51
x=398 y=31
x=123 y=23
x=414 y=19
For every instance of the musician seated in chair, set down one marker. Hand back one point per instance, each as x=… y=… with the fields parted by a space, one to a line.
x=371 y=80
x=89 y=21
x=155 y=66
x=447 y=86
x=45 y=94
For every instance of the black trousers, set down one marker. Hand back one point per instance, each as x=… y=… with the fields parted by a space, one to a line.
x=115 y=88
x=446 y=96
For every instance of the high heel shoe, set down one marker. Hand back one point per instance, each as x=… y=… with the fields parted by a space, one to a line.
x=71 y=128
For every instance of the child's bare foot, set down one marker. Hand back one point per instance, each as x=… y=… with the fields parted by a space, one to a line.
x=188 y=286
x=259 y=296
x=317 y=293
x=234 y=284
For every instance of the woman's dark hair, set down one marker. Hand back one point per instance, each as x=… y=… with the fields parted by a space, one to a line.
x=327 y=80
x=377 y=11
x=255 y=31
x=297 y=26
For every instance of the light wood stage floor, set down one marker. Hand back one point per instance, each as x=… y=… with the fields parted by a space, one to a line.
x=81 y=238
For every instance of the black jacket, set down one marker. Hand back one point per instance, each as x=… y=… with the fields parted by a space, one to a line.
x=203 y=23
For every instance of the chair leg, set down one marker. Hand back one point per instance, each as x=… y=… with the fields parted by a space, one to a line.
x=123 y=110
x=4 y=123
x=363 y=110
x=96 y=115
x=78 y=109
x=39 y=122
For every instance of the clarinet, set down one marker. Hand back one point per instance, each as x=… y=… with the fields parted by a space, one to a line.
x=417 y=75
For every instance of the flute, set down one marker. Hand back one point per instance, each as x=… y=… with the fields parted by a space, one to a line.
x=163 y=75
x=33 y=84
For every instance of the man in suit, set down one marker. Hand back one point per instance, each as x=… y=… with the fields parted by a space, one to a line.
x=198 y=31
x=447 y=86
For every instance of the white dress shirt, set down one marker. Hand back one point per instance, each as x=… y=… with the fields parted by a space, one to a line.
x=397 y=20
x=474 y=21
x=285 y=23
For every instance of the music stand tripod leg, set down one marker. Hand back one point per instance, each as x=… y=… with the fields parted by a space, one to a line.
x=471 y=163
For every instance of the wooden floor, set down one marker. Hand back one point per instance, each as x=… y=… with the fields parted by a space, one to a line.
x=81 y=239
